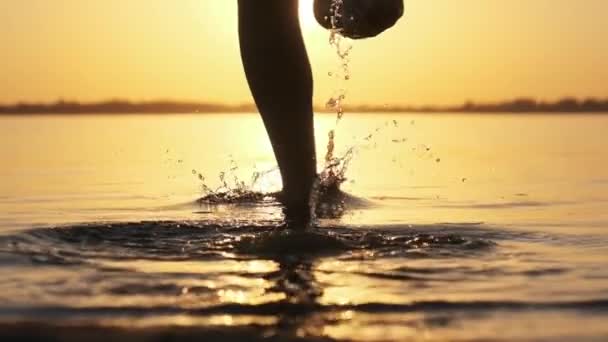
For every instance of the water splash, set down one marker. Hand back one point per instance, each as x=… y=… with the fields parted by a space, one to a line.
x=326 y=198
x=233 y=189
x=337 y=40
x=334 y=171
x=343 y=48
x=335 y=168
x=326 y=187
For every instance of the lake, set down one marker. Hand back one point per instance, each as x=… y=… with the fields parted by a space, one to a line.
x=460 y=227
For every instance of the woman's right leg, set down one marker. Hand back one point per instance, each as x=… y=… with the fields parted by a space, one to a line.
x=280 y=78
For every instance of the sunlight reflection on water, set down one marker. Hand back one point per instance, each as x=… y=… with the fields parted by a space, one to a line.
x=501 y=235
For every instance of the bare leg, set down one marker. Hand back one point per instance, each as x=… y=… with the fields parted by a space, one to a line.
x=280 y=78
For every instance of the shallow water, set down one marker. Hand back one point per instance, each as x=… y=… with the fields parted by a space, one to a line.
x=467 y=228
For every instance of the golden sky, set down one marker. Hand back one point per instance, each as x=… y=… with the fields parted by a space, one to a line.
x=444 y=52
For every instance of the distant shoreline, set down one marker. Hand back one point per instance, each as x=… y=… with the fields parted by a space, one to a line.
x=522 y=105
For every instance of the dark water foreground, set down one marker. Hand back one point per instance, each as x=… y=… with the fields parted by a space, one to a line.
x=175 y=281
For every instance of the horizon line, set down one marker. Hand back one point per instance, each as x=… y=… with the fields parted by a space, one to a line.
x=164 y=106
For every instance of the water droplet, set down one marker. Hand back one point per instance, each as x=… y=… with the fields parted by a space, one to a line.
x=331 y=103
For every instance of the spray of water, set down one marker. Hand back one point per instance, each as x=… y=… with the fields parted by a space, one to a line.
x=334 y=170
x=326 y=187
x=326 y=199
x=233 y=190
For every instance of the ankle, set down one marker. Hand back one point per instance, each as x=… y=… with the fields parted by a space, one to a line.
x=297 y=216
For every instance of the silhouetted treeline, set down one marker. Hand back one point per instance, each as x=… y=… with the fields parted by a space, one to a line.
x=122 y=107
x=522 y=105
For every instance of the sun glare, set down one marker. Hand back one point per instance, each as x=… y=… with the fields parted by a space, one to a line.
x=307 y=17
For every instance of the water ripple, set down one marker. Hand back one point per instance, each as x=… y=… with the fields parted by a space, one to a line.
x=203 y=241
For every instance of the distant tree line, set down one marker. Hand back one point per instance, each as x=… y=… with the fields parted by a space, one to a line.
x=122 y=107
x=521 y=105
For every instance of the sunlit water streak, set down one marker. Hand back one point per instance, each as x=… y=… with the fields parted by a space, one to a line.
x=502 y=239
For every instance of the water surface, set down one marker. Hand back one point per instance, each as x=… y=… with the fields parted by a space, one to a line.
x=462 y=227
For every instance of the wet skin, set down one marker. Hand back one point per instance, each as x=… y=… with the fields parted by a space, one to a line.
x=280 y=78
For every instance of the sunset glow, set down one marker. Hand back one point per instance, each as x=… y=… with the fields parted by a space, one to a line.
x=172 y=172
x=307 y=17
x=443 y=52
